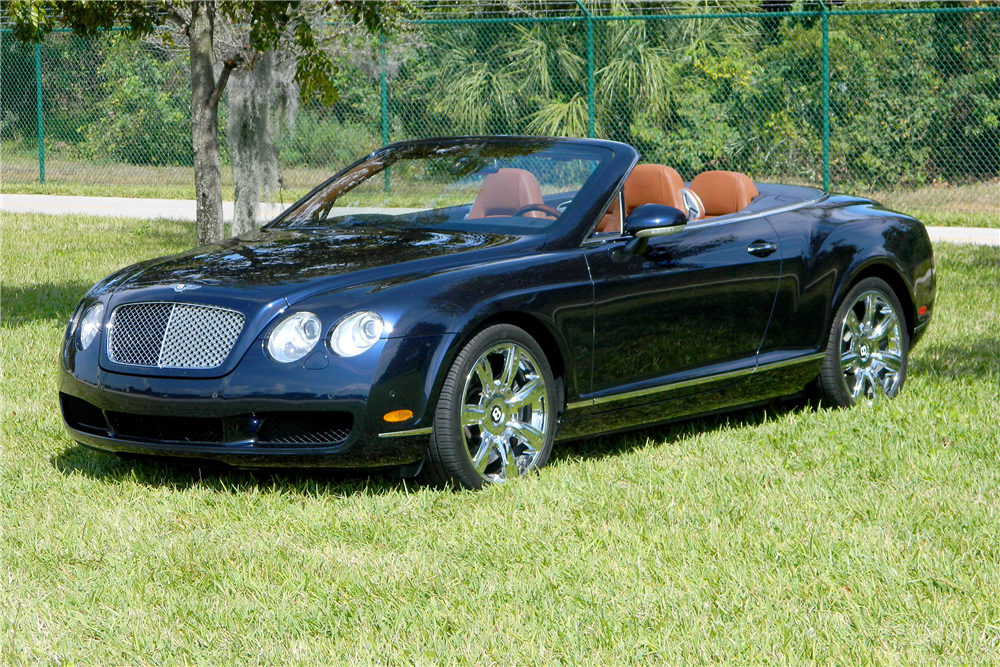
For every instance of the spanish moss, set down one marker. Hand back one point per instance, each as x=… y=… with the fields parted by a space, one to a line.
x=263 y=99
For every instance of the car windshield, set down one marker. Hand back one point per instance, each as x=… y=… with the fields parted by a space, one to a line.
x=492 y=186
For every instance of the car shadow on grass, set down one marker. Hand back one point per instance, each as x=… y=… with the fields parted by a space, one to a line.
x=79 y=460
x=672 y=432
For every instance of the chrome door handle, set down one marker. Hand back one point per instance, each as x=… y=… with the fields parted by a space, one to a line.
x=761 y=248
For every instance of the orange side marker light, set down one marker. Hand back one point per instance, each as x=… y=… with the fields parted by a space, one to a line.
x=922 y=311
x=398 y=415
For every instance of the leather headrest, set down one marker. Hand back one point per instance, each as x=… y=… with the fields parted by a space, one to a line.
x=653 y=184
x=724 y=192
x=504 y=192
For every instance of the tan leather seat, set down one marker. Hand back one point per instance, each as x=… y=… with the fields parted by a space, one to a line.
x=506 y=191
x=724 y=192
x=612 y=220
x=653 y=184
x=647 y=184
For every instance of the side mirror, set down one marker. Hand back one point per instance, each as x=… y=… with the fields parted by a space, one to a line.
x=652 y=220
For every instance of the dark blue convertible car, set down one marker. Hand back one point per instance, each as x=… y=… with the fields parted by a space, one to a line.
x=453 y=307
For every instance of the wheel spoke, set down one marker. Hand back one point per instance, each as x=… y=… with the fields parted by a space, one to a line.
x=849 y=361
x=485 y=373
x=528 y=435
x=878 y=388
x=481 y=458
x=885 y=327
x=472 y=415
x=511 y=362
x=859 y=385
x=508 y=459
x=853 y=325
x=868 y=385
x=892 y=361
x=528 y=394
x=871 y=305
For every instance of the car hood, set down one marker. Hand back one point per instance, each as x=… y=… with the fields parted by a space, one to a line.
x=290 y=264
x=264 y=272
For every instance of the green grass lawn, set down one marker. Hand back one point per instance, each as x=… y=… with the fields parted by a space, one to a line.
x=865 y=536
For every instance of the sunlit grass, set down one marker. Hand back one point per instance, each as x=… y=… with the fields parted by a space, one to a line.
x=866 y=536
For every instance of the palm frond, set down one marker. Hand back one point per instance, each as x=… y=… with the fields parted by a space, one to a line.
x=561 y=119
x=635 y=69
x=529 y=60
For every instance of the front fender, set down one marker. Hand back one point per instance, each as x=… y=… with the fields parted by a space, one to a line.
x=549 y=294
x=408 y=377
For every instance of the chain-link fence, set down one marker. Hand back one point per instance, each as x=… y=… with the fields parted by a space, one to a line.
x=898 y=101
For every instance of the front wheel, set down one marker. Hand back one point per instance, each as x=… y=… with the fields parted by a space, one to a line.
x=867 y=352
x=496 y=418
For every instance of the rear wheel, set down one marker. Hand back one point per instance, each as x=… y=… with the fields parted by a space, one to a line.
x=496 y=417
x=866 y=356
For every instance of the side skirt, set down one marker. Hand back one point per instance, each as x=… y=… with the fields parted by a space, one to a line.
x=719 y=392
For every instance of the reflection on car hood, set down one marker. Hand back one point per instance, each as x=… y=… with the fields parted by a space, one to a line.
x=293 y=263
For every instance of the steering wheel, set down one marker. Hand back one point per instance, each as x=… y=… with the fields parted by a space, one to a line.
x=547 y=210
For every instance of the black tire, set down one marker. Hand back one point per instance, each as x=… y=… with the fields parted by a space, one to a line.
x=857 y=354
x=449 y=460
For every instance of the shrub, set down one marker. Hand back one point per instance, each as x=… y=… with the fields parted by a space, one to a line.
x=328 y=143
x=144 y=114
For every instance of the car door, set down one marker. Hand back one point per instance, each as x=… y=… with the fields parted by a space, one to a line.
x=687 y=314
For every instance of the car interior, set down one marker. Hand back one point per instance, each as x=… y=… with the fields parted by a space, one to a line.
x=515 y=192
x=508 y=192
x=711 y=194
x=515 y=196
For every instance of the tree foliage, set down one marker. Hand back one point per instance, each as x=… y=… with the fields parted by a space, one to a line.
x=267 y=26
x=915 y=99
x=302 y=29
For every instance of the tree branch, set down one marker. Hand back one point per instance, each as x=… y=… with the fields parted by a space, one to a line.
x=220 y=85
x=178 y=18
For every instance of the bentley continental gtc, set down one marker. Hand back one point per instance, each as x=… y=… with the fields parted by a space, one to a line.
x=453 y=308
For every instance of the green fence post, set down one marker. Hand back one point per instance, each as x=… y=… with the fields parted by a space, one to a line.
x=590 y=77
x=825 y=18
x=384 y=91
x=590 y=69
x=38 y=113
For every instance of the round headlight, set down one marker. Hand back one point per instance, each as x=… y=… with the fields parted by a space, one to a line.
x=356 y=333
x=294 y=337
x=90 y=325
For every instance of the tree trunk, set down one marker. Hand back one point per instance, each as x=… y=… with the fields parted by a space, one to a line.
x=205 y=123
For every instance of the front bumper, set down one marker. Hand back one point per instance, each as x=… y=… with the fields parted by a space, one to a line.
x=224 y=420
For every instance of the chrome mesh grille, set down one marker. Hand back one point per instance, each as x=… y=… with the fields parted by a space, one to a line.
x=172 y=335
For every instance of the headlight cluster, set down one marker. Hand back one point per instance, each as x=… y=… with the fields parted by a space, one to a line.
x=298 y=334
x=90 y=325
x=356 y=333
x=295 y=337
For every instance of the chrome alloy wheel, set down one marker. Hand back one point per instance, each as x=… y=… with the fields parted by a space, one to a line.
x=505 y=412
x=871 y=348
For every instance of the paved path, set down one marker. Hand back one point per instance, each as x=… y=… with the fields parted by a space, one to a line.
x=178 y=209
x=977 y=235
x=173 y=209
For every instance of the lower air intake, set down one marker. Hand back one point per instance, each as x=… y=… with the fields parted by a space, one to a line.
x=305 y=428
